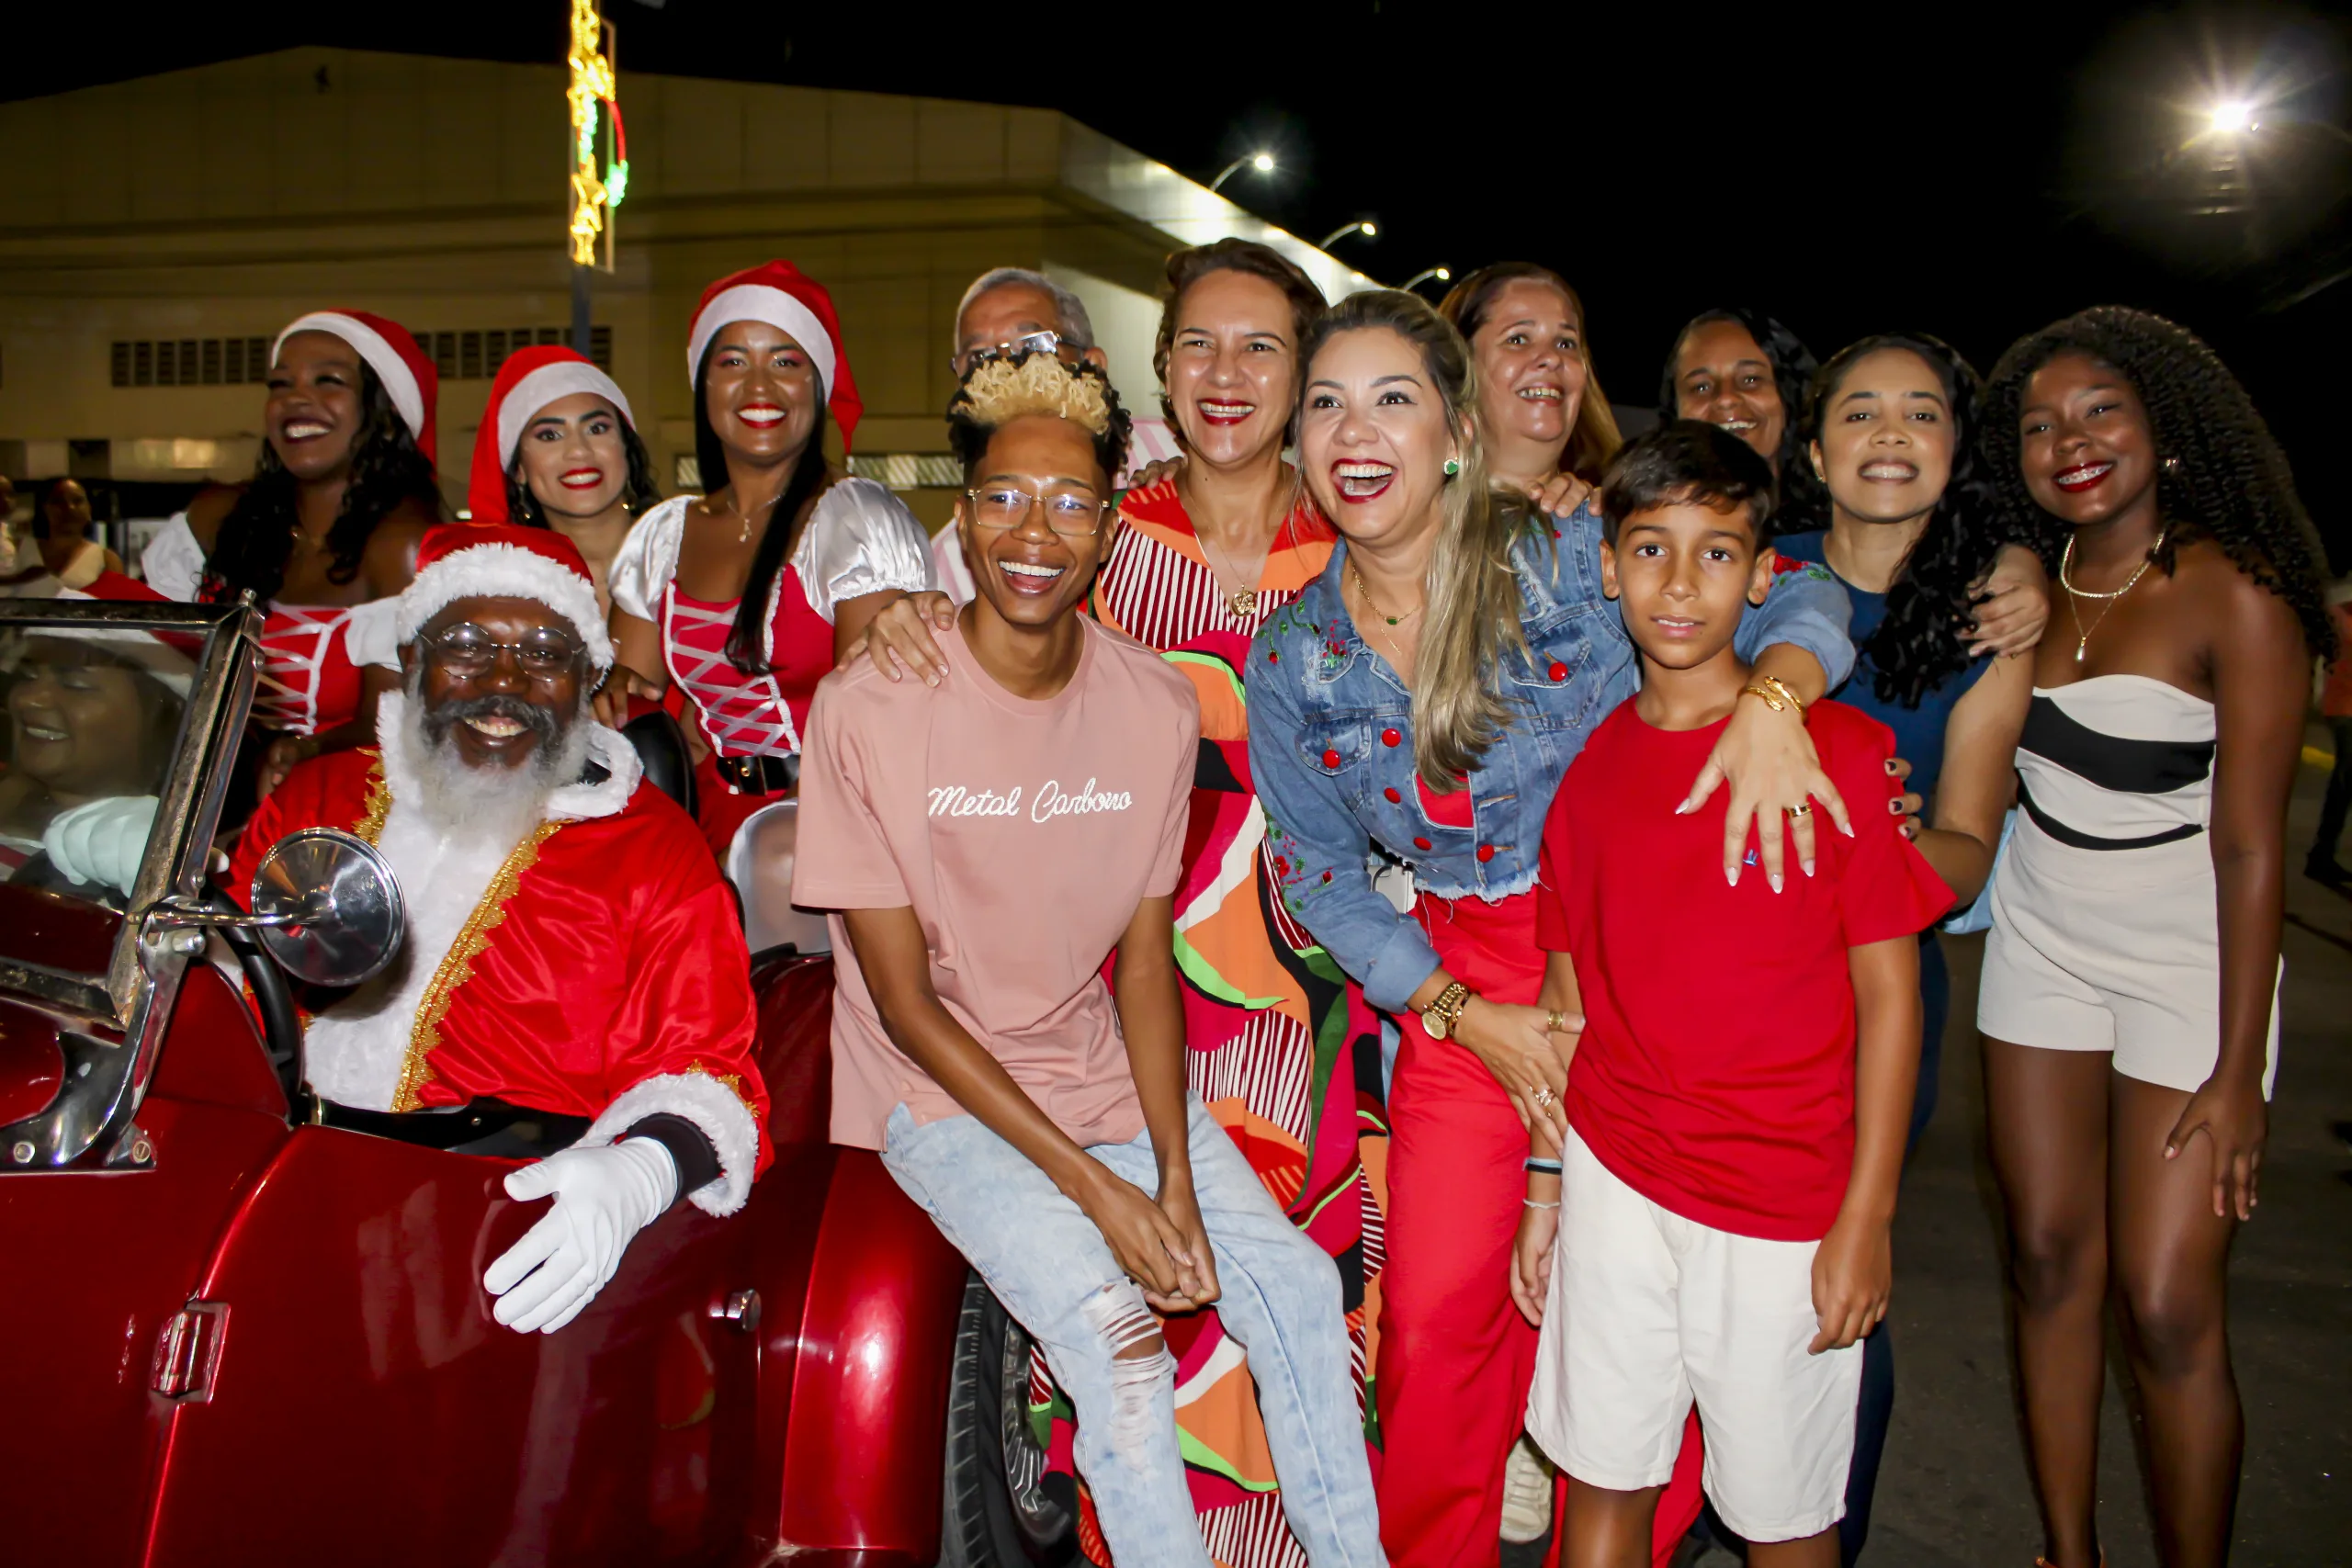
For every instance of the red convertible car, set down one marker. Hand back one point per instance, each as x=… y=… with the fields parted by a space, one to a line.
x=235 y=1336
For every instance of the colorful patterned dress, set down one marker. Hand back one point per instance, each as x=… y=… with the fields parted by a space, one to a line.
x=1282 y=1047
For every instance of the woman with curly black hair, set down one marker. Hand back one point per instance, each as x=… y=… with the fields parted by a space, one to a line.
x=1889 y=431
x=2129 y=998
x=340 y=496
x=1743 y=371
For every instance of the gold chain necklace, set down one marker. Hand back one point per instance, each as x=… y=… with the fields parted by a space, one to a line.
x=1242 y=602
x=1387 y=637
x=745 y=536
x=2073 y=612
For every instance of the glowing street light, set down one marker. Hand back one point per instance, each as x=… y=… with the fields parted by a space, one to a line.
x=1440 y=274
x=1261 y=162
x=1368 y=229
x=2231 y=116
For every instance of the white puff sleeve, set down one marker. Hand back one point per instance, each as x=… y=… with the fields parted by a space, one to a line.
x=647 y=558
x=860 y=539
x=371 y=634
x=173 y=561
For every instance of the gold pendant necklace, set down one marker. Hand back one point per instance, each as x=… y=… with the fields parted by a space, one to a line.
x=2066 y=565
x=745 y=536
x=1365 y=590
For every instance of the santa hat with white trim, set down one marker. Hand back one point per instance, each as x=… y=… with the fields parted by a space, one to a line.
x=468 y=561
x=784 y=298
x=405 y=369
x=529 y=381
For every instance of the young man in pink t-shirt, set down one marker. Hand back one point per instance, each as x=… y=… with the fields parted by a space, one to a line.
x=1740 y=1088
x=983 y=845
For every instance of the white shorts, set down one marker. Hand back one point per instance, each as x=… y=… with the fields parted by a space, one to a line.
x=2110 y=950
x=1648 y=1310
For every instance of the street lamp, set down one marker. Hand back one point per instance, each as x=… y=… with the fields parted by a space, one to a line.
x=2231 y=116
x=1261 y=162
x=1440 y=274
x=1368 y=229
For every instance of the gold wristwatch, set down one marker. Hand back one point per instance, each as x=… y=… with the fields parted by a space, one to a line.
x=1438 y=1017
x=1774 y=693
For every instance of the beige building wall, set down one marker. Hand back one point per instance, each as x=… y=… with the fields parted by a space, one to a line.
x=223 y=201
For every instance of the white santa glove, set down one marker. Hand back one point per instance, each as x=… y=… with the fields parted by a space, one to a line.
x=603 y=1198
x=102 y=841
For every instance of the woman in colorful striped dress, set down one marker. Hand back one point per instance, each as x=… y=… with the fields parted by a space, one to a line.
x=1284 y=1049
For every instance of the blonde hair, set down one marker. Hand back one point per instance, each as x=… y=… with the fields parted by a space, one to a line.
x=998 y=391
x=1470 y=624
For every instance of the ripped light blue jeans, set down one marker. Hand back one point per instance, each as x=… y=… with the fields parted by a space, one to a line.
x=1055 y=1274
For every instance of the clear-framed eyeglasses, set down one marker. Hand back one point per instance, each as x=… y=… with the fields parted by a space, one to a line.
x=468 y=650
x=1072 y=513
x=1039 y=341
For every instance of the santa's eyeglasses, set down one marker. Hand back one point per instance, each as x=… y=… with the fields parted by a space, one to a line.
x=468 y=650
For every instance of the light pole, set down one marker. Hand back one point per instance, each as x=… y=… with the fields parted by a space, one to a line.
x=1440 y=274
x=1261 y=162
x=1368 y=229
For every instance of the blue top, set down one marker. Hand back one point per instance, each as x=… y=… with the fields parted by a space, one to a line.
x=1918 y=731
x=1331 y=744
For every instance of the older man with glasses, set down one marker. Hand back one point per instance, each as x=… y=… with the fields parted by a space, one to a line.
x=575 y=975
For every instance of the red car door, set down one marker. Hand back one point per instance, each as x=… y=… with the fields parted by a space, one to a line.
x=365 y=1407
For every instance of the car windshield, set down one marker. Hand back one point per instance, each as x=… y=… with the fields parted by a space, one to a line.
x=93 y=720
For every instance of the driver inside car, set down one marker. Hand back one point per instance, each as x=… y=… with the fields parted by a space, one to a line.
x=570 y=950
x=93 y=714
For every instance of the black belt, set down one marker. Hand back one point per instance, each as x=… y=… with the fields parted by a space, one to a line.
x=483 y=1126
x=2081 y=840
x=763 y=775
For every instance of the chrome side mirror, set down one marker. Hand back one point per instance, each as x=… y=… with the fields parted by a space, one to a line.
x=327 y=908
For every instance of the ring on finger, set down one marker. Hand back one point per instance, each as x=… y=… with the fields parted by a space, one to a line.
x=1544 y=1097
x=1555 y=1022
x=1799 y=812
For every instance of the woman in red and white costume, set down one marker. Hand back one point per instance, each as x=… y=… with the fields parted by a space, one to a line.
x=326 y=531
x=746 y=595
x=559 y=449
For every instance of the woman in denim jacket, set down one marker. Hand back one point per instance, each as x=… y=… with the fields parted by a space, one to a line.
x=1434 y=737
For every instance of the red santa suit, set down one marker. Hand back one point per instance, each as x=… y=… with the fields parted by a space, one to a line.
x=596 y=968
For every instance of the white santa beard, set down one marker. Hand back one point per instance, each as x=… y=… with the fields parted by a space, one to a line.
x=445 y=837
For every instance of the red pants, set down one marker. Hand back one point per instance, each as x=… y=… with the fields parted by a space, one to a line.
x=1455 y=1355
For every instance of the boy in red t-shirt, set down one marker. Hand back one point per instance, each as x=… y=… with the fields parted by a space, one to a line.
x=1738 y=1099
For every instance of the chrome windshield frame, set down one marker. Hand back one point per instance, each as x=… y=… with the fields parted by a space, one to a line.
x=133 y=1001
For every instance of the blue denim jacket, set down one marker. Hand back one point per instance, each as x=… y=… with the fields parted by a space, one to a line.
x=1331 y=745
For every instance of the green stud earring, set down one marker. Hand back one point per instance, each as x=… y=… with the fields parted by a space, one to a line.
x=1453 y=466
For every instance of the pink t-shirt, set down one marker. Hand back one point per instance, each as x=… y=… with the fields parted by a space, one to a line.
x=1022 y=834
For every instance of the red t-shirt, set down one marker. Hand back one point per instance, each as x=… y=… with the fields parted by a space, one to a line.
x=1716 y=1072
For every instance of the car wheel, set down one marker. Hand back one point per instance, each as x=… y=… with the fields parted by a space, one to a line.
x=997 y=1508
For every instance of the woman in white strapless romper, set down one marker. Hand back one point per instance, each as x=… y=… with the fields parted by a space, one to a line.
x=2129 y=1001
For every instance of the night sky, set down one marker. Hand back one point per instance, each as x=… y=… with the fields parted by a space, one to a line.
x=1969 y=170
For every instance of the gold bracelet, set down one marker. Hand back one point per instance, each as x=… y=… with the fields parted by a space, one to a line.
x=1774 y=694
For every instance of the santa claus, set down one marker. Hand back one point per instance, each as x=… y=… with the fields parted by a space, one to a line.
x=571 y=948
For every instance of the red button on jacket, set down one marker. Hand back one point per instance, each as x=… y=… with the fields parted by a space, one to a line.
x=1389 y=737
x=1485 y=852
x=1420 y=843
x=1330 y=759
x=1559 y=671
x=1393 y=797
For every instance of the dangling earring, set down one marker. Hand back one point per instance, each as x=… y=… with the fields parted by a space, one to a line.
x=2172 y=464
x=1453 y=466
